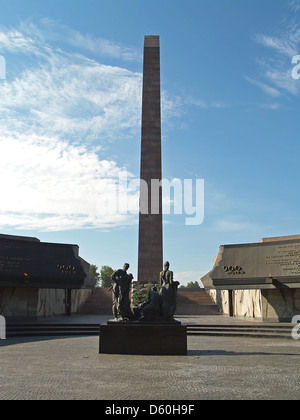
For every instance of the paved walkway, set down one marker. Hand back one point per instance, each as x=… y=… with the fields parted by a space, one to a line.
x=215 y=368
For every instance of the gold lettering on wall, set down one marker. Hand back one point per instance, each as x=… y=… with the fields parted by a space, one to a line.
x=235 y=270
x=287 y=257
x=67 y=269
x=11 y=264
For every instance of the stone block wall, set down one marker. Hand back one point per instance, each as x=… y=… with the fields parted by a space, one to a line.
x=282 y=304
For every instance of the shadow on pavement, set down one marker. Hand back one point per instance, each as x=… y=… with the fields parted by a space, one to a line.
x=204 y=353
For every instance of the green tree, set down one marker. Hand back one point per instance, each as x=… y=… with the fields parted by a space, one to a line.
x=138 y=295
x=95 y=274
x=191 y=285
x=105 y=276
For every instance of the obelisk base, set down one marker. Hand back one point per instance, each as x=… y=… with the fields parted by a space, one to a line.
x=139 y=339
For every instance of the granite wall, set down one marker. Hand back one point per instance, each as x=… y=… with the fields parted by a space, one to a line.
x=282 y=304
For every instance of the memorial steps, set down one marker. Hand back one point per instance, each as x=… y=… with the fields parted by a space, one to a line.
x=254 y=331
x=51 y=330
x=264 y=330
x=98 y=303
x=189 y=302
x=195 y=302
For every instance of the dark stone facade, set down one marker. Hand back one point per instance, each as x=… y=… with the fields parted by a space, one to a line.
x=29 y=263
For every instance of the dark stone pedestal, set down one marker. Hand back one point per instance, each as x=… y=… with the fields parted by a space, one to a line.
x=139 y=339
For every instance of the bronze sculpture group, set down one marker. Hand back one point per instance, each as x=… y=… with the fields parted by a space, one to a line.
x=159 y=306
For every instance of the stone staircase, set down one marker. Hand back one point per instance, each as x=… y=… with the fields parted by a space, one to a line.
x=98 y=303
x=242 y=329
x=190 y=302
x=195 y=302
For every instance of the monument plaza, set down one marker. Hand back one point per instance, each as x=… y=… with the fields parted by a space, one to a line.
x=70 y=368
x=147 y=351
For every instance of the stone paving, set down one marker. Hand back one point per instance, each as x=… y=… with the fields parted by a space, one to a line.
x=215 y=368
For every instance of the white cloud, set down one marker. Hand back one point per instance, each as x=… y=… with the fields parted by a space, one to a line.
x=53 y=176
x=51 y=30
x=14 y=41
x=102 y=46
x=272 y=107
x=204 y=104
x=234 y=224
x=283 y=79
x=59 y=112
x=49 y=184
x=78 y=99
x=39 y=39
x=276 y=70
x=294 y=6
x=264 y=87
x=284 y=46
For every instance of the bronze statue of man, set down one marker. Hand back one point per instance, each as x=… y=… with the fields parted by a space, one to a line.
x=168 y=293
x=121 y=289
x=166 y=276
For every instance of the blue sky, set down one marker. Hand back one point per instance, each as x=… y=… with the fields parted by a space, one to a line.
x=70 y=111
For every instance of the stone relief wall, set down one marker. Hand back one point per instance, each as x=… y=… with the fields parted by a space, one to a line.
x=269 y=305
x=247 y=303
x=18 y=302
x=51 y=301
x=220 y=297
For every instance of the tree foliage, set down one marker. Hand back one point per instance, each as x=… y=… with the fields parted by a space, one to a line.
x=192 y=285
x=138 y=295
x=95 y=274
x=105 y=276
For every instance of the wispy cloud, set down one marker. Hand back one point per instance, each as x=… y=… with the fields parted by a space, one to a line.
x=73 y=99
x=200 y=103
x=286 y=45
x=275 y=77
x=294 y=5
x=234 y=224
x=273 y=106
x=31 y=36
x=61 y=109
x=68 y=95
x=264 y=87
x=57 y=114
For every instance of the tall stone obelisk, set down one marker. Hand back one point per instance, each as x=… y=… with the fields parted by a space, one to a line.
x=150 y=262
